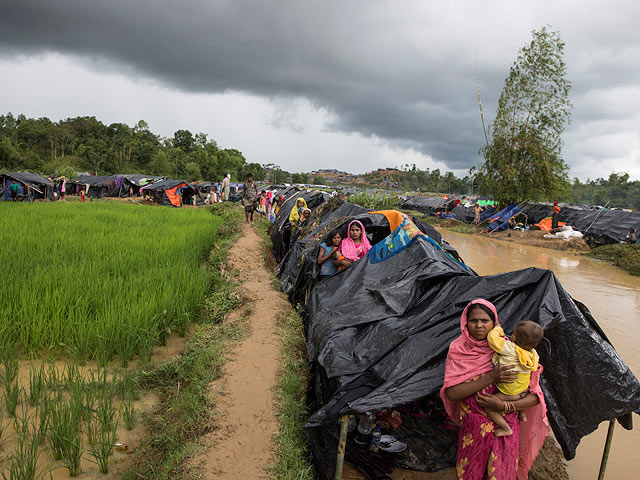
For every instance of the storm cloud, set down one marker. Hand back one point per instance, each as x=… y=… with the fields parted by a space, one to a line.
x=402 y=72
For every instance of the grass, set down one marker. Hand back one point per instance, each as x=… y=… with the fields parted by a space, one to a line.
x=453 y=225
x=293 y=458
x=377 y=201
x=187 y=410
x=72 y=407
x=94 y=279
x=623 y=255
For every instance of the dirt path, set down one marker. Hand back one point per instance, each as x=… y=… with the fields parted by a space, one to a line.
x=243 y=445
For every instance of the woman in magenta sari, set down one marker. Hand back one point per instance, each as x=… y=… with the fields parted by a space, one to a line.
x=469 y=384
x=354 y=246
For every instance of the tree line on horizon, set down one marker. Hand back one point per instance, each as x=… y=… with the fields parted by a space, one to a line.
x=86 y=144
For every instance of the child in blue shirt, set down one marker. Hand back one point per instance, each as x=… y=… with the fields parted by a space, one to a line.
x=327 y=253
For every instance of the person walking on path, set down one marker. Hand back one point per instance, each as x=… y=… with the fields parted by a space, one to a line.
x=14 y=191
x=477 y=210
x=554 y=217
x=226 y=183
x=249 y=197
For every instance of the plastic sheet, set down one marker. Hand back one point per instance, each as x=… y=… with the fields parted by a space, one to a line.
x=378 y=336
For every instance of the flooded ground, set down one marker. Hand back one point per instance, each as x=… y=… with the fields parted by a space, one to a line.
x=612 y=296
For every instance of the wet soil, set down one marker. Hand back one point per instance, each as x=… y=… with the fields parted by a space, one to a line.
x=536 y=238
x=548 y=466
x=242 y=446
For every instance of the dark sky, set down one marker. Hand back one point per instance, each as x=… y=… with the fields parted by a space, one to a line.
x=353 y=85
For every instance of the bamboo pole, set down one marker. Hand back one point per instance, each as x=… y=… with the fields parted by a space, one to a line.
x=607 y=448
x=342 y=446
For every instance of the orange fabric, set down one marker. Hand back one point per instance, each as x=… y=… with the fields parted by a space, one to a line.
x=175 y=199
x=394 y=217
x=545 y=224
x=556 y=209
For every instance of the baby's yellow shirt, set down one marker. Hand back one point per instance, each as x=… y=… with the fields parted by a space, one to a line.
x=510 y=354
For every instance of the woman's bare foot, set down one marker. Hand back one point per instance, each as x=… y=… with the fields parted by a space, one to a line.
x=503 y=432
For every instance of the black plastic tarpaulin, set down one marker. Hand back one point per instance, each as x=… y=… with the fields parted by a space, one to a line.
x=428 y=205
x=31 y=186
x=378 y=334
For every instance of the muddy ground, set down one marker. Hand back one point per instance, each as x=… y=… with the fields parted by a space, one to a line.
x=242 y=446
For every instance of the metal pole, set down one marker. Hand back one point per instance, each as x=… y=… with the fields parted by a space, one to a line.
x=342 y=446
x=607 y=448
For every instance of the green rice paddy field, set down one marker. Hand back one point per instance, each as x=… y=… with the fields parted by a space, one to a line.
x=92 y=280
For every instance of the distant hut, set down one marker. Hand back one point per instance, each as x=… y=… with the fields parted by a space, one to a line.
x=170 y=192
x=31 y=186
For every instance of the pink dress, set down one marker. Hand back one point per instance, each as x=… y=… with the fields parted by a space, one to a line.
x=482 y=455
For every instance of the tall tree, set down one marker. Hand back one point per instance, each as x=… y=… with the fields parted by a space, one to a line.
x=524 y=158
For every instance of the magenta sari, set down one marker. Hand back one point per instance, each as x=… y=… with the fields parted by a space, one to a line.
x=482 y=455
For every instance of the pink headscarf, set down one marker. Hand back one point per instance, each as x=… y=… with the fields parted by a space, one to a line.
x=469 y=357
x=348 y=246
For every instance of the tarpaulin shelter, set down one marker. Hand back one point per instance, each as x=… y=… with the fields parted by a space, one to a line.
x=170 y=192
x=136 y=181
x=31 y=186
x=378 y=334
x=500 y=220
x=467 y=214
x=96 y=186
x=428 y=205
x=546 y=224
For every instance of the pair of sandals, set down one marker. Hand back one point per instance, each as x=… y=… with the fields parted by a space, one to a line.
x=391 y=444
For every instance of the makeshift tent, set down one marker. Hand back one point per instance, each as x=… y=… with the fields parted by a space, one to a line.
x=136 y=182
x=467 y=214
x=170 y=192
x=96 y=186
x=546 y=224
x=500 y=221
x=31 y=186
x=428 y=205
x=378 y=334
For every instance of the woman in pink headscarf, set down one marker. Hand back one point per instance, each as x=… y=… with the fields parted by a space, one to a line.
x=469 y=385
x=354 y=246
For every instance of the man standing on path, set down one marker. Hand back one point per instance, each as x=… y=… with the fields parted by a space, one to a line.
x=249 y=197
x=226 y=183
x=14 y=190
x=554 y=217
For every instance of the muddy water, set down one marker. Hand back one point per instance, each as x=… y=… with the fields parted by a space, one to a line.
x=613 y=297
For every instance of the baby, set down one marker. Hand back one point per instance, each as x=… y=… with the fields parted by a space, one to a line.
x=519 y=352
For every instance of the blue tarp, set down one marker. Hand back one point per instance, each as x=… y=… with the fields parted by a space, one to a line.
x=500 y=221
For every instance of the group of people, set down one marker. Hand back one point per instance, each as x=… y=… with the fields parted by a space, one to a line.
x=491 y=388
x=262 y=202
x=339 y=253
x=220 y=191
x=492 y=392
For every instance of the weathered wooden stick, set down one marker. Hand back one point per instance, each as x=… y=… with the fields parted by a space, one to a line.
x=342 y=446
x=607 y=448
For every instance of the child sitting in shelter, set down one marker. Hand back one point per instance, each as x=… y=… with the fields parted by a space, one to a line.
x=327 y=253
x=354 y=246
x=304 y=217
x=519 y=353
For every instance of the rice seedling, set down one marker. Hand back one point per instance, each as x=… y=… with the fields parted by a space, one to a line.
x=65 y=420
x=12 y=397
x=41 y=412
x=126 y=386
x=37 y=384
x=93 y=280
x=128 y=413
x=9 y=366
x=102 y=431
x=25 y=455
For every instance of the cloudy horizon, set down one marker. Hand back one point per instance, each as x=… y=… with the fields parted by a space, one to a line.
x=349 y=85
